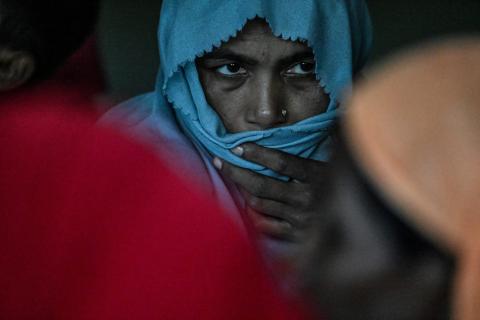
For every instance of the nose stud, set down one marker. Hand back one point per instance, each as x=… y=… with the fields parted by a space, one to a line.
x=284 y=114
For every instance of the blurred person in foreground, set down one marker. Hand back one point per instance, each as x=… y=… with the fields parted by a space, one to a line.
x=404 y=243
x=93 y=226
x=37 y=38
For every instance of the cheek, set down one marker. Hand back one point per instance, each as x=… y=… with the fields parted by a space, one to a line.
x=306 y=103
x=229 y=104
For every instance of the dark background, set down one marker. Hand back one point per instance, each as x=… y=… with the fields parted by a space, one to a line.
x=127 y=34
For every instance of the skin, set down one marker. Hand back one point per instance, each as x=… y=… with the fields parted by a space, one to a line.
x=249 y=81
x=277 y=208
x=16 y=68
x=251 y=78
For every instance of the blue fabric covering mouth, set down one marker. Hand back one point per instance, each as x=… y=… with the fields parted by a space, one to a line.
x=177 y=121
x=338 y=31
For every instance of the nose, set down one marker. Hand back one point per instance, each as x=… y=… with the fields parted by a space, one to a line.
x=267 y=104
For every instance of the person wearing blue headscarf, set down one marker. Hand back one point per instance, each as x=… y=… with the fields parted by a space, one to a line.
x=245 y=99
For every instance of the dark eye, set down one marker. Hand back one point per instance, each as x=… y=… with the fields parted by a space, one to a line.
x=302 y=68
x=231 y=69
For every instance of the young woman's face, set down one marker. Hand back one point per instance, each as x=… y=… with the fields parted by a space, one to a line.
x=257 y=81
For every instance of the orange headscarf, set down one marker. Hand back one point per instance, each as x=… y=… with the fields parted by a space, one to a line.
x=414 y=128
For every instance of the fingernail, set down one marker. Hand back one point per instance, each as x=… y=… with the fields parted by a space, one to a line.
x=218 y=163
x=238 y=151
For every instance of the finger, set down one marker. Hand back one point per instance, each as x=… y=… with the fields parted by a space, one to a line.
x=283 y=163
x=274 y=209
x=271 y=227
x=256 y=184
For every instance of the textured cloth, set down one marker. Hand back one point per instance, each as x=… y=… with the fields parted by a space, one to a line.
x=337 y=31
x=188 y=132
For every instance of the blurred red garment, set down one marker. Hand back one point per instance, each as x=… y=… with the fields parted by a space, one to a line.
x=83 y=236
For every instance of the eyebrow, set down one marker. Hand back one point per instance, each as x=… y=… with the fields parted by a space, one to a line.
x=228 y=54
x=298 y=56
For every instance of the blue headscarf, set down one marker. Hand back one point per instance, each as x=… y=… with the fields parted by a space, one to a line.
x=176 y=118
x=338 y=31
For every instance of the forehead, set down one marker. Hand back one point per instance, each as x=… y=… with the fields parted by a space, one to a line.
x=255 y=28
x=257 y=38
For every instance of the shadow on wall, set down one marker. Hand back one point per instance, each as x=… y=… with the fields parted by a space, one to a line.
x=127 y=34
x=401 y=23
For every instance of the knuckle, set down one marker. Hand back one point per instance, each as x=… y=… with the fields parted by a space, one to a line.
x=255 y=203
x=303 y=175
x=297 y=219
x=302 y=219
x=228 y=170
x=250 y=150
x=306 y=200
x=285 y=227
x=280 y=164
x=259 y=187
x=281 y=229
x=278 y=213
x=285 y=230
x=309 y=196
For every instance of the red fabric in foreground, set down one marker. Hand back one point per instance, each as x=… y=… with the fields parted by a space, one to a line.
x=92 y=226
